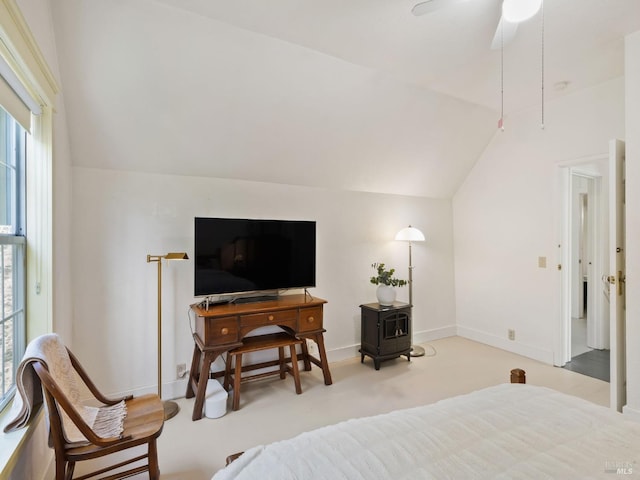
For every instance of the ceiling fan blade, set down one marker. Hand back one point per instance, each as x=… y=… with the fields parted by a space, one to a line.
x=429 y=6
x=505 y=32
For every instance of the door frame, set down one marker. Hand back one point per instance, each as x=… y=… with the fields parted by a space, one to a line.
x=617 y=266
x=582 y=167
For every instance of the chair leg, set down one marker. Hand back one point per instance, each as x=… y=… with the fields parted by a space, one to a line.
x=61 y=469
x=227 y=372
x=305 y=355
x=294 y=368
x=154 y=468
x=283 y=366
x=236 y=382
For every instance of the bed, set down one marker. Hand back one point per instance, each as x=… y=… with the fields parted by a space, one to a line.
x=508 y=431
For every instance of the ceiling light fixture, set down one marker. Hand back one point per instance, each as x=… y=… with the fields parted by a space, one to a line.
x=516 y=11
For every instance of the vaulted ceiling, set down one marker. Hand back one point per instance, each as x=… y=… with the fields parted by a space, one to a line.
x=349 y=94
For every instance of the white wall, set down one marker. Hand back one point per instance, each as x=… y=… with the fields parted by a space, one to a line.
x=506 y=216
x=632 y=92
x=120 y=217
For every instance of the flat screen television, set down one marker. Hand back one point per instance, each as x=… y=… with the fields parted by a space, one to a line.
x=234 y=256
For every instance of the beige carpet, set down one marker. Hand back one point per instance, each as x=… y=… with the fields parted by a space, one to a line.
x=270 y=410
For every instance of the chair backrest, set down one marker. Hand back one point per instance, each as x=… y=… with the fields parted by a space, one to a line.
x=75 y=423
x=64 y=417
x=54 y=417
x=70 y=419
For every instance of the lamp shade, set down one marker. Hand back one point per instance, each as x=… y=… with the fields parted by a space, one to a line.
x=516 y=11
x=410 y=234
x=176 y=256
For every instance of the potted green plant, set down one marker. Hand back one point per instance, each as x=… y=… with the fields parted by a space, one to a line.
x=386 y=282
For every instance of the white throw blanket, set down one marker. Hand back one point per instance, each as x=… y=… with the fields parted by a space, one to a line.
x=105 y=421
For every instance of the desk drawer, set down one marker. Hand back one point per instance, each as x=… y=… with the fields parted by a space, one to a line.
x=218 y=331
x=284 y=318
x=310 y=319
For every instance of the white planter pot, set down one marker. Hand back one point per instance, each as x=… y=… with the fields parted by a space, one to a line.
x=386 y=295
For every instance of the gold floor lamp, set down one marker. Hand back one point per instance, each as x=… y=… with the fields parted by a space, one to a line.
x=411 y=234
x=170 y=408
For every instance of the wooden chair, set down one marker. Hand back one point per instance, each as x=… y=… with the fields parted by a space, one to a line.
x=254 y=344
x=142 y=426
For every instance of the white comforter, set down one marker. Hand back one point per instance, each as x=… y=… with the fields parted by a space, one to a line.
x=503 y=432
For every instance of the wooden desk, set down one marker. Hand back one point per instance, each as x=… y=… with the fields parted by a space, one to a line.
x=222 y=327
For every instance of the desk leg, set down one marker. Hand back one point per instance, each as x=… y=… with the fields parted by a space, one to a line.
x=237 y=380
x=294 y=369
x=319 y=338
x=194 y=372
x=203 y=378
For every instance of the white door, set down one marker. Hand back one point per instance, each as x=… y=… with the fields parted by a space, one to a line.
x=616 y=277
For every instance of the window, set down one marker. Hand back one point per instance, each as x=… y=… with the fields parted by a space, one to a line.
x=13 y=141
x=26 y=83
x=27 y=98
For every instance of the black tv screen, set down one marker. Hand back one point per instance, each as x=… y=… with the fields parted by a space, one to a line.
x=235 y=255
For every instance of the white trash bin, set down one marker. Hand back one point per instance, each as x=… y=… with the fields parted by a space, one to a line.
x=215 y=401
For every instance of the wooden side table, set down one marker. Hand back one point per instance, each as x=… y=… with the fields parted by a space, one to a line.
x=386 y=331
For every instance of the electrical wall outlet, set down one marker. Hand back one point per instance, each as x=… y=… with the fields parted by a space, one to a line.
x=511 y=333
x=181 y=370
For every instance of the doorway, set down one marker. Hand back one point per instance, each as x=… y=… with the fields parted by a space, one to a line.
x=585 y=297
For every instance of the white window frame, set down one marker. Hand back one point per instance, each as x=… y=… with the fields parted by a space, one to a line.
x=13 y=251
x=21 y=53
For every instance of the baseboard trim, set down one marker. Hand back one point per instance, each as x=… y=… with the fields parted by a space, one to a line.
x=350 y=351
x=177 y=388
x=513 y=346
x=434 y=334
x=632 y=413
